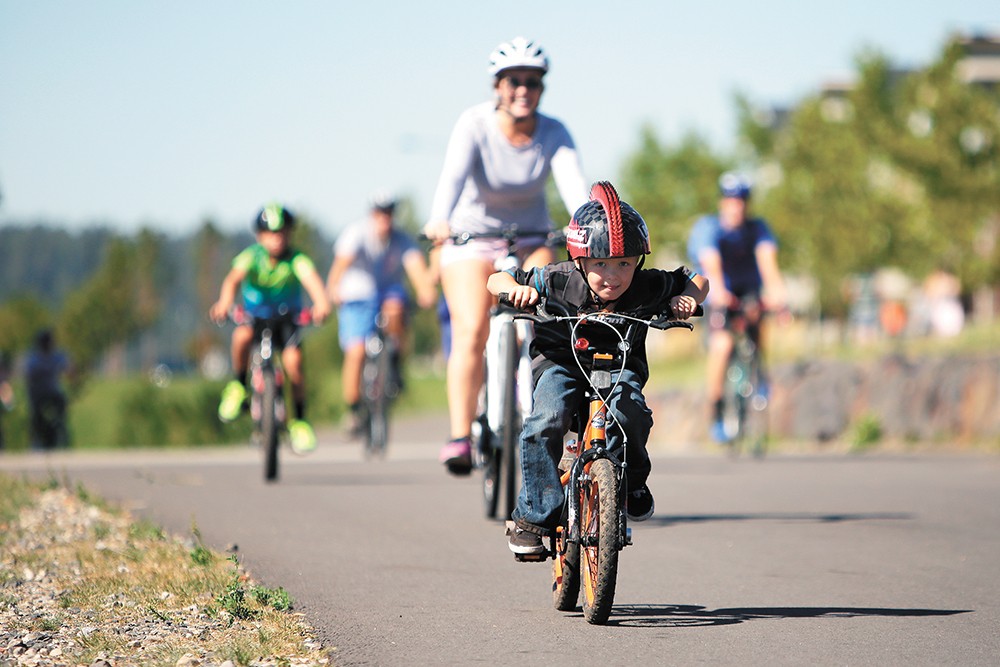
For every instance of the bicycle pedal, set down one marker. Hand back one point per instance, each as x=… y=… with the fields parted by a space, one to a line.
x=532 y=558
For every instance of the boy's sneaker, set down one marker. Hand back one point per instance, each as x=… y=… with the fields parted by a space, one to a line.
x=639 y=504
x=233 y=397
x=525 y=542
x=301 y=436
x=457 y=456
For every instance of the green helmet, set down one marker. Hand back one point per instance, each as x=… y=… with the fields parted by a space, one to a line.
x=273 y=218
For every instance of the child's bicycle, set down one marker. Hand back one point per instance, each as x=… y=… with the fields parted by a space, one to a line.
x=267 y=397
x=594 y=528
x=381 y=385
x=745 y=394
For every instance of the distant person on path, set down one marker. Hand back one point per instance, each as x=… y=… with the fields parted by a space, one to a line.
x=739 y=256
x=43 y=371
x=6 y=390
x=270 y=276
x=499 y=159
x=366 y=281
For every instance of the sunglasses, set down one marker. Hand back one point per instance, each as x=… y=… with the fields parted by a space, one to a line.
x=531 y=83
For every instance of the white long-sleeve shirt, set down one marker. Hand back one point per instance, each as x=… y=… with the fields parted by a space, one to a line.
x=487 y=183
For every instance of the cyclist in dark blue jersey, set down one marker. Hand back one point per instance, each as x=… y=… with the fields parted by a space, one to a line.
x=739 y=256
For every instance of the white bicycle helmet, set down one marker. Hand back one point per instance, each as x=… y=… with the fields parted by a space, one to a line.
x=383 y=200
x=518 y=52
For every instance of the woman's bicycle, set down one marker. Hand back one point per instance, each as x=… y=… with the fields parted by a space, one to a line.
x=745 y=392
x=505 y=398
x=268 y=409
x=594 y=526
x=380 y=377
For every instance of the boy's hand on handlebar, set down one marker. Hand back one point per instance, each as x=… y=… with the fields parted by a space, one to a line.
x=683 y=306
x=522 y=296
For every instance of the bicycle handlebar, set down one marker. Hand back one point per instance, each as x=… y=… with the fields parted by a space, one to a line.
x=508 y=234
x=241 y=316
x=662 y=321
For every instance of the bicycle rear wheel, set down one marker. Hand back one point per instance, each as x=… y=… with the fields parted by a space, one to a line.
x=599 y=510
x=269 y=424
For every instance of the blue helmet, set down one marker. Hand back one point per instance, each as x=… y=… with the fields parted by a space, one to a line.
x=734 y=184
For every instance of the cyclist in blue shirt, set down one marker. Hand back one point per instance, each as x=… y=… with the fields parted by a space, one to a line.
x=739 y=256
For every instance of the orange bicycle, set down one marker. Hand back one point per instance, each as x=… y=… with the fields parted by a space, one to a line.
x=593 y=529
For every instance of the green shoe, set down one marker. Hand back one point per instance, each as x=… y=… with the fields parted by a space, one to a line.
x=302 y=438
x=233 y=397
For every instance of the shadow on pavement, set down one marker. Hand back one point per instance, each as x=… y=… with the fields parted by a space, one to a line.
x=694 y=615
x=669 y=520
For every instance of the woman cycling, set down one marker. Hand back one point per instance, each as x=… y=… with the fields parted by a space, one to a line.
x=498 y=161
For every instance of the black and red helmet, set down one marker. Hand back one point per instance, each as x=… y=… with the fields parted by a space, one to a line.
x=606 y=227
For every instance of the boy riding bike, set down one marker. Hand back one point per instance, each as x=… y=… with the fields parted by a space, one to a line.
x=270 y=276
x=607 y=242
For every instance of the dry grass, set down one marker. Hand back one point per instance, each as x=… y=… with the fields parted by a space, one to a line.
x=123 y=589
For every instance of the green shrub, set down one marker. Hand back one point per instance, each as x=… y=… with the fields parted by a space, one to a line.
x=867 y=433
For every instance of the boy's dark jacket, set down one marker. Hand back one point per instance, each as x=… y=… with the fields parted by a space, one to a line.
x=563 y=285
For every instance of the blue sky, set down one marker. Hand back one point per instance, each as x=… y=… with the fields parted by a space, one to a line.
x=133 y=112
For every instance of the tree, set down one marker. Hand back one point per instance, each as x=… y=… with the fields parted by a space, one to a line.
x=670 y=185
x=20 y=319
x=900 y=170
x=942 y=137
x=115 y=305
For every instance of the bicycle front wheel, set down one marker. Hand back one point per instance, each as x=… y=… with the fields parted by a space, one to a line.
x=565 y=573
x=511 y=428
x=599 y=511
x=377 y=431
x=269 y=424
x=734 y=401
x=756 y=423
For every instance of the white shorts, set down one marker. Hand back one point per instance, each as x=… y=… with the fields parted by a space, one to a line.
x=491 y=251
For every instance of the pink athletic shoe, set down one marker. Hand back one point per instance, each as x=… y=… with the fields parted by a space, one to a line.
x=457 y=456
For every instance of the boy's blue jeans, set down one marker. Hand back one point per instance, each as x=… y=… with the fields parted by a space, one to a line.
x=558 y=392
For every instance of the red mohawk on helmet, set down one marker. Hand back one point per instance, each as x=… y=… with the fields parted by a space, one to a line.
x=606 y=227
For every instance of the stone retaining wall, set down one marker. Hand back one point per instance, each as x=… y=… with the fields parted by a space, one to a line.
x=953 y=400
